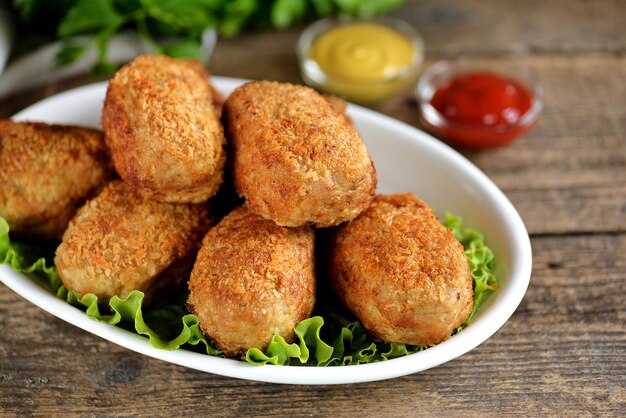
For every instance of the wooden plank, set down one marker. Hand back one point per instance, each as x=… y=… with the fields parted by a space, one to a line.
x=560 y=354
x=495 y=27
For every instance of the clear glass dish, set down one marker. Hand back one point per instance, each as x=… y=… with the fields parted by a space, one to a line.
x=359 y=91
x=475 y=136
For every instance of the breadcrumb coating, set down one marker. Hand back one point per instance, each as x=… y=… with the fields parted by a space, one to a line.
x=163 y=128
x=401 y=272
x=296 y=159
x=120 y=241
x=46 y=173
x=252 y=280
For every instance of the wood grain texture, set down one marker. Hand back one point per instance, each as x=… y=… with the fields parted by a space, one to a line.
x=561 y=354
x=493 y=27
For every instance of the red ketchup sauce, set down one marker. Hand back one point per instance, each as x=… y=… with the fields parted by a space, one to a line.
x=481 y=109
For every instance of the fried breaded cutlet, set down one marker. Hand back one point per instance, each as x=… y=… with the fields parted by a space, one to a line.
x=46 y=173
x=120 y=241
x=252 y=280
x=162 y=126
x=401 y=272
x=296 y=159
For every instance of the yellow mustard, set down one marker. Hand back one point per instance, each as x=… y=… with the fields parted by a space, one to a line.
x=364 y=61
x=363 y=51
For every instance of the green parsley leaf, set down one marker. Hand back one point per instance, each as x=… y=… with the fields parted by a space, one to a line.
x=235 y=16
x=88 y=16
x=323 y=7
x=69 y=53
x=188 y=48
x=367 y=8
x=102 y=66
x=286 y=12
x=189 y=17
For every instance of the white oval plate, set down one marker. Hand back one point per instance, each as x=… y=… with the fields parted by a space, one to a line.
x=406 y=159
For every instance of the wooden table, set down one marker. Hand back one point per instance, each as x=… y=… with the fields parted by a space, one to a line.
x=562 y=353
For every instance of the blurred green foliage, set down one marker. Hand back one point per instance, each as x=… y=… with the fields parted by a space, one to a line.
x=184 y=20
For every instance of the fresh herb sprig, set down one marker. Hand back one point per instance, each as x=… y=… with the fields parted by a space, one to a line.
x=184 y=20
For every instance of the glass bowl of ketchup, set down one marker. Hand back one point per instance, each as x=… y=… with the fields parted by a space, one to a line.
x=473 y=106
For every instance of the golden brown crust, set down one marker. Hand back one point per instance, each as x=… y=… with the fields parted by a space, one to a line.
x=46 y=173
x=296 y=159
x=338 y=105
x=120 y=241
x=401 y=272
x=166 y=139
x=252 y=280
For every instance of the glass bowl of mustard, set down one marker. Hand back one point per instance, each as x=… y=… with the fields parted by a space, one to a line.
x=363 y=61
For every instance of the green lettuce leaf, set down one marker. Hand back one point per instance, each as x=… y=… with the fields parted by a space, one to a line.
x=24 y=258
x=480 y=259
x=330 y=338
x=181 y=327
